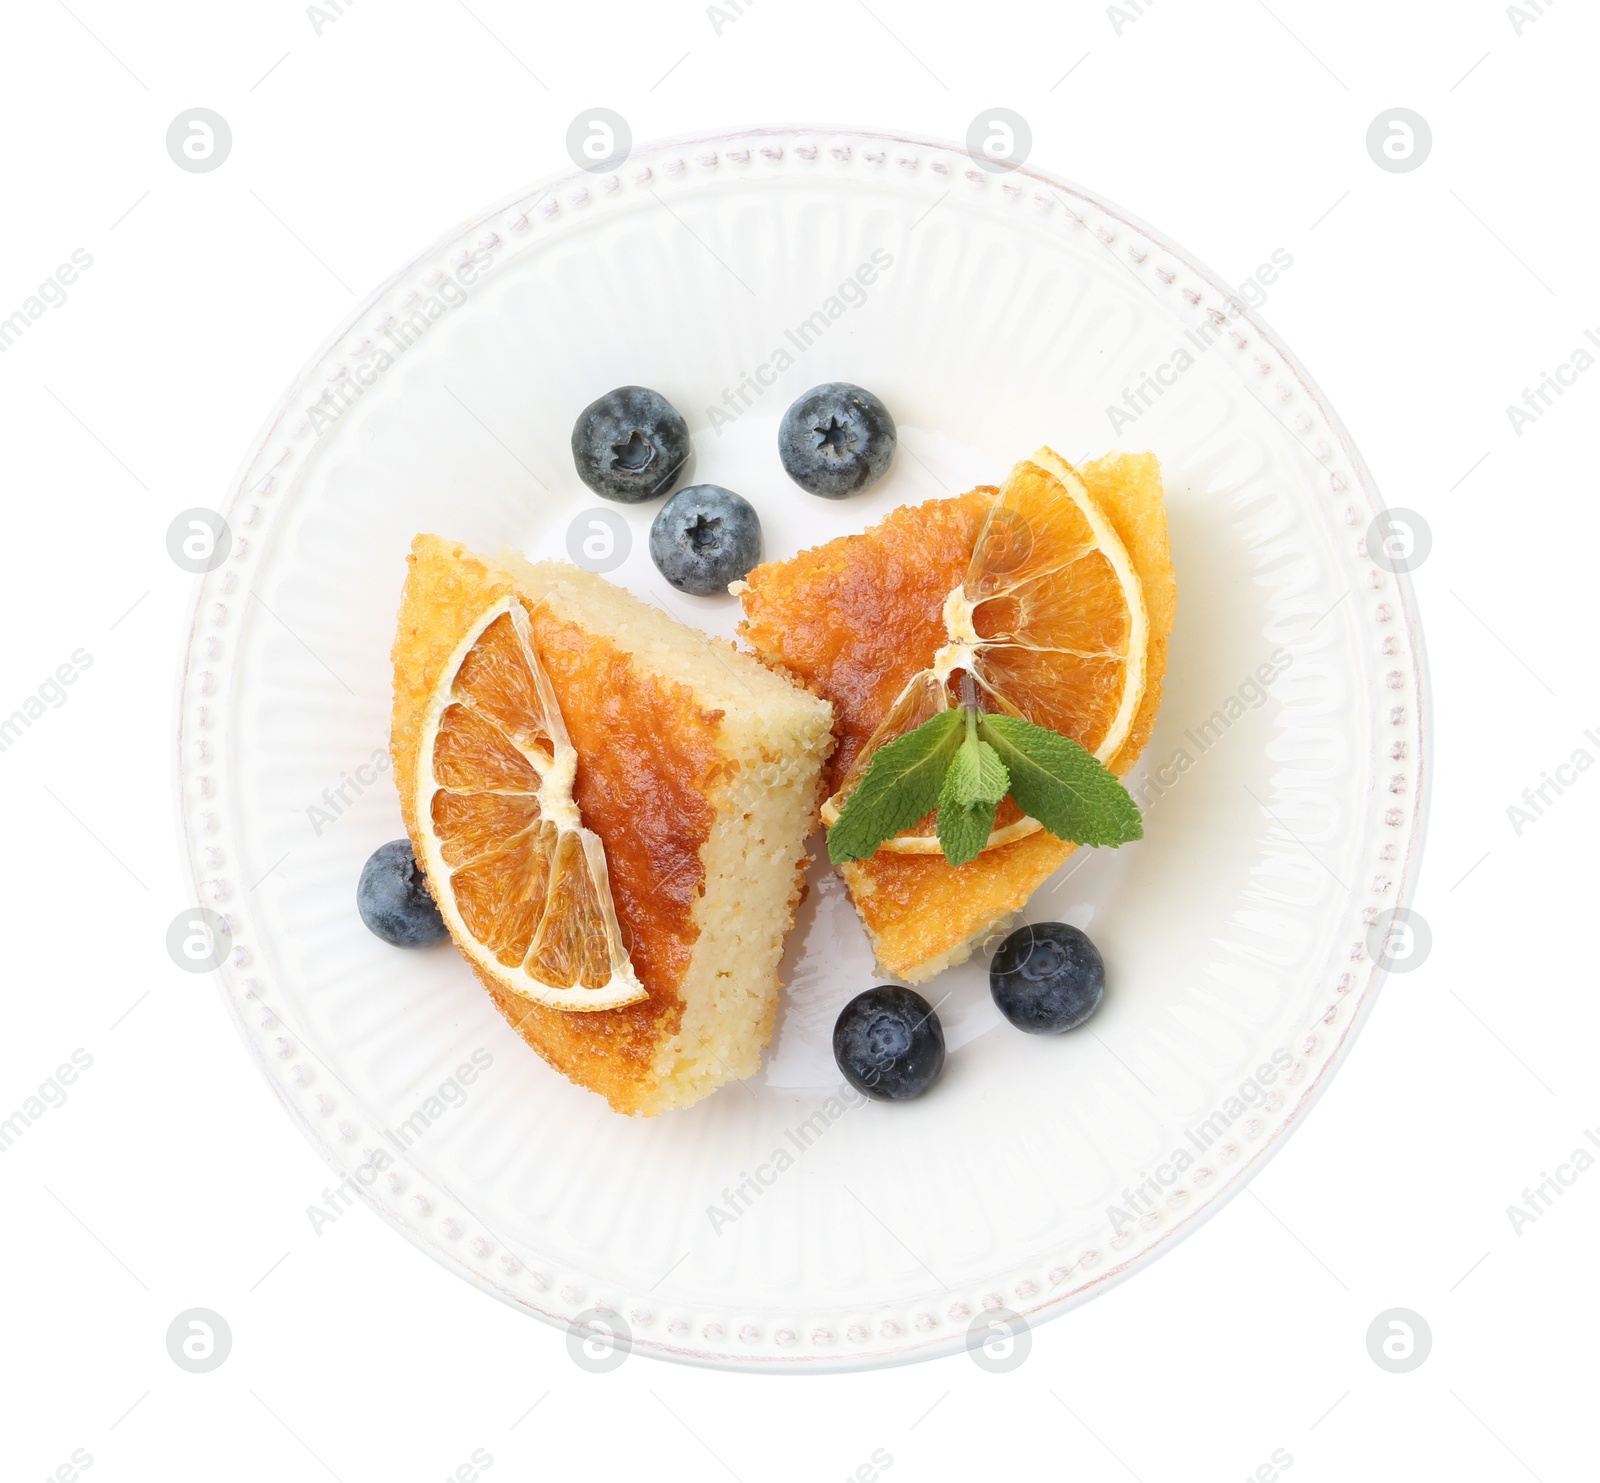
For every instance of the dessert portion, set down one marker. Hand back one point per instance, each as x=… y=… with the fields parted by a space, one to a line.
x=611 y=810
x=1054 y=596
x=607 y=811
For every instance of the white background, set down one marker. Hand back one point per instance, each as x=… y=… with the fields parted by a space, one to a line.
x=1424 y=303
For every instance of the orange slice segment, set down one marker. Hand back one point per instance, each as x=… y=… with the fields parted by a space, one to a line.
x=1050 y=620
x=520 y=882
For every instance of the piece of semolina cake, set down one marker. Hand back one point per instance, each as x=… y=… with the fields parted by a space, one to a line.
x=854 y=619
x=698 y=768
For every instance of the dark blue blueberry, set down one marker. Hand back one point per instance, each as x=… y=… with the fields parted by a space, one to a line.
x=1047 y=977
x=630 y=444
x=836 y=440
x=704 y=537
x=393 y=898
x=889 y=1043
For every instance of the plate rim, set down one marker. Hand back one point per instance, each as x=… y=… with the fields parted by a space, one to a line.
x=193 y=760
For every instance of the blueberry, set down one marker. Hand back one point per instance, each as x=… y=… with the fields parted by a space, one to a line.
x=1047 y=977
x=630 y=444
x=889 y=1043
x=836 y=440
x=704 y=537
x=393 y=898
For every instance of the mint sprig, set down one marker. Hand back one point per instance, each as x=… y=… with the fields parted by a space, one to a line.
x=900 y=785
x=963 y=762
x=971 y=792
x=1063 y=785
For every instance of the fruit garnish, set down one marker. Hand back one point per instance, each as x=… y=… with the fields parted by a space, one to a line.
x=963 y=762
x=1047 y=977
x=705 y=537
x=889 y=1043
x=629 y=444
x=1051 y=623
x=520 y=882
x=392 y=897
x=836 y=440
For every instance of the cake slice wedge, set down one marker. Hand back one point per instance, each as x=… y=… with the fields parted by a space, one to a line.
x=854 y=620
x=698 y=773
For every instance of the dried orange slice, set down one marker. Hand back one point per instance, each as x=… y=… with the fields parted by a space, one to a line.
x=521 y=884
x=1051 y=622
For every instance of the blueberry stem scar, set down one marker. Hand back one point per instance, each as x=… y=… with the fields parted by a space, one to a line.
x=636 y=455
x=832 y=437
x=703 y=533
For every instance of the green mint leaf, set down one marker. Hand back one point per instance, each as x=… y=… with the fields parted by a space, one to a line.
x=1061 y=784
x=900 y=785
x=977 y=775
x=973 y=787
x=964 y=830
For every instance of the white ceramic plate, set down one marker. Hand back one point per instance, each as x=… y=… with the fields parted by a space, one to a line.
x=1003 y=310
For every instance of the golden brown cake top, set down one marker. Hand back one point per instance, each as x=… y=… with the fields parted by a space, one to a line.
x=853 y=620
